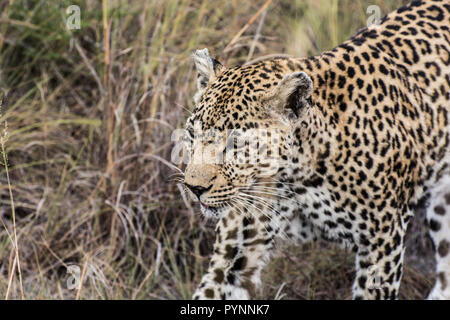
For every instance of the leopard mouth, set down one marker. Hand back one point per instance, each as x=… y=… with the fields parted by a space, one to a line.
x=214 y=212
x=209 y=211
x=207 y=206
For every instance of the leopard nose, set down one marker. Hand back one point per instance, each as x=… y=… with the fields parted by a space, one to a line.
x=198 y=190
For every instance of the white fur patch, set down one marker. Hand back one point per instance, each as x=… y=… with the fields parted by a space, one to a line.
x=236 y=293
x=441 y=289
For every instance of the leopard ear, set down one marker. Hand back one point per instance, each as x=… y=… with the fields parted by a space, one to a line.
x=291 y=94
x=207 y=68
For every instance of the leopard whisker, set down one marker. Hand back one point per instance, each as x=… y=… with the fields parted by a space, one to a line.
x=268 y=193
x=276 y=223
x=183 y=107
x=262 y=200
x=269 y=189
x=239 y=202
x=275 y=181
x=270 y=206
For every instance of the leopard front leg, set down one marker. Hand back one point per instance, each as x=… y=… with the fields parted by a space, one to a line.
x=242 y=248
x=379 y=264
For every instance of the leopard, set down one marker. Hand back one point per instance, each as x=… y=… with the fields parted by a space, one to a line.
x=349 y=143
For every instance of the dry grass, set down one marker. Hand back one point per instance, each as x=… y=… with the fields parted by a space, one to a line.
x=90 y=113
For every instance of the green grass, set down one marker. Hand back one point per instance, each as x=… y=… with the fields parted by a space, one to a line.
x=89 y=120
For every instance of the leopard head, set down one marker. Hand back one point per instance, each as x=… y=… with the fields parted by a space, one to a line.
x=240 y=132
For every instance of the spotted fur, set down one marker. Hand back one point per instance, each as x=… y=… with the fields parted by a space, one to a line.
x=364 y=137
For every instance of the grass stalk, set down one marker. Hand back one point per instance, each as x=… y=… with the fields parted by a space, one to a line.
x=3 y=139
